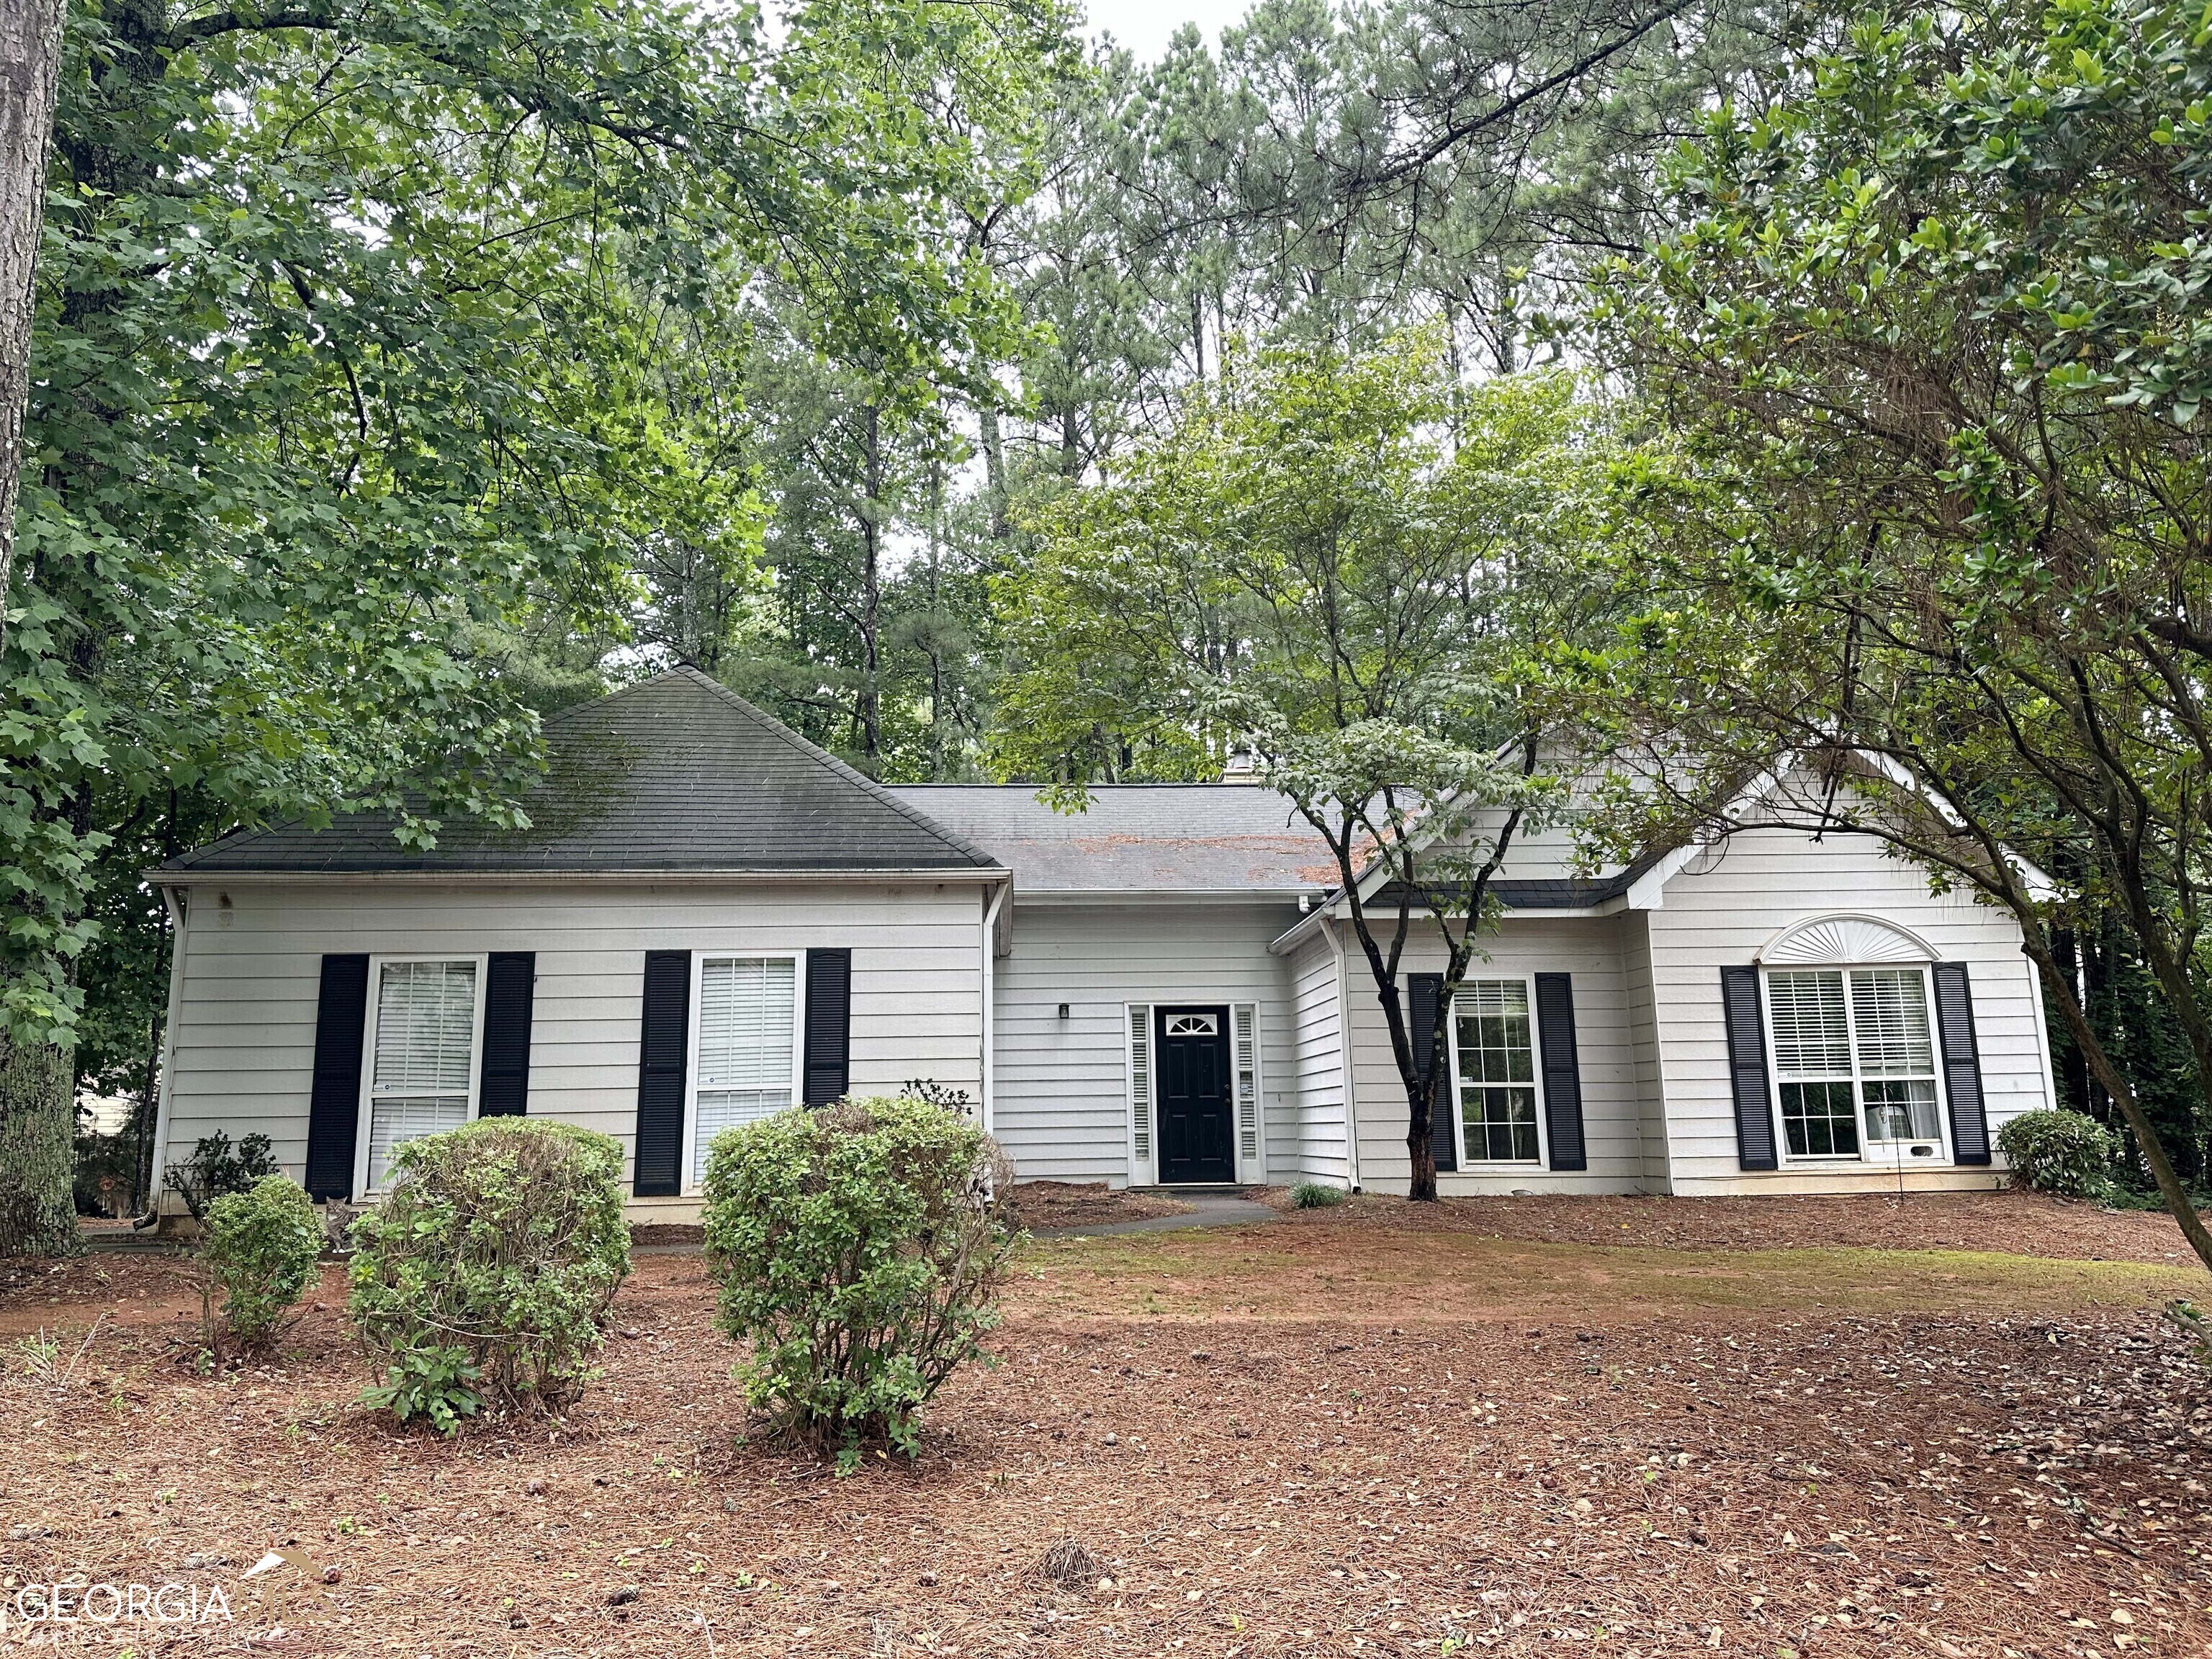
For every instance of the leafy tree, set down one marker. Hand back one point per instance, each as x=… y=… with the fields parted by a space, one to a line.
x=30 y=66
x=320 y=299
x=1340 y=564
x=1940 y=520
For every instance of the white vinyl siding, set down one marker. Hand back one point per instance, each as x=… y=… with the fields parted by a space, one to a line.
x=747 y=1046
x=245 y=1037
x=1063 y=1108
x=1588 y=949
x=1308 y=1142
x=1724 y=908
x=422 y=1048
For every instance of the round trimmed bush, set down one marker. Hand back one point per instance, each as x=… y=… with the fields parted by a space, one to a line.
x=262 y=1246
x=857 y=1248
x=490 y=1266
x=2057 y=1150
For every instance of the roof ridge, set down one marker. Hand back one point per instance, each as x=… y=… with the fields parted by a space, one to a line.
x=849 y=774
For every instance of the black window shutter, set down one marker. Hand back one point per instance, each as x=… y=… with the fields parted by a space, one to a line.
x=510 y=988
x=1746 y=1044
x=1424 y=1001
x=1962 y=1064
x=334 y=1099
x=661 y=1058
x=1563 y=1071
x=828 y=1025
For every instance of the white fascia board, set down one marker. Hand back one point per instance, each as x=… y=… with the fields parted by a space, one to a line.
x=188 y=879
x=1648 y=891
x=2040 y=887
x=1309 y=923
x=1093 y=895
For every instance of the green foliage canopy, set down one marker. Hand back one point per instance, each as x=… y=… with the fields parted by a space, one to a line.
x=1929 y=333
x=325 y=295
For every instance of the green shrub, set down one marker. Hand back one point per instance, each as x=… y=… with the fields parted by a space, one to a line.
x=857 y=1248
x=501 y=1241
x=431 y=1381
x=1314 y=1195
x=262 y=1246
x=2066 y=1152
x=217 y=1167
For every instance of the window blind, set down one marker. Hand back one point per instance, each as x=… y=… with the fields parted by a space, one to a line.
x=1890 y=1008
x=425 y=1017
x=1244 y=1016
x=1812 y=1031
x=748 y=1009
x=1140 y=1087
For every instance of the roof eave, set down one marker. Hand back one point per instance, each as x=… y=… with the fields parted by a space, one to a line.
x=1336 y=909
x=1283 y=895
x=169 y=877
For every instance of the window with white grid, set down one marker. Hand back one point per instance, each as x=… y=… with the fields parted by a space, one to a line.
x=1494 y=1051
x=1854 y=1060
x=748 y=1045
x=422 y=1070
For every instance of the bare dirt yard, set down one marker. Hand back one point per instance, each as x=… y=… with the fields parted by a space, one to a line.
x=1602 y=1427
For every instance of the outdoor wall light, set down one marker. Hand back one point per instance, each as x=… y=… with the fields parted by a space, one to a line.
x=1063 y=1010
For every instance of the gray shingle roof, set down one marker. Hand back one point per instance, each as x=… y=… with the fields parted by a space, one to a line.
x=1136 y=838
x=674 y=774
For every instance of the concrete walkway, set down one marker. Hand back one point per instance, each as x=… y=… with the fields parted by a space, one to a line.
x=1210 y=1211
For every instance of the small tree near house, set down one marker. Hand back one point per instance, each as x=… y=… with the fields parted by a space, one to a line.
x=1344 y=564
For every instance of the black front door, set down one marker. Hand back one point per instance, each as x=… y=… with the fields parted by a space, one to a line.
x=1196 y=1116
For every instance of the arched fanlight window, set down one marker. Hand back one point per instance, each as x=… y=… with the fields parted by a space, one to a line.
x=1843 y=939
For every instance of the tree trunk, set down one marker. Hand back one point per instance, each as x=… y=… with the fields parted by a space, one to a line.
x=38 y=1125
x=868 y=707
x=2072 y=1067
x=1071 y=444
x=2177 y=1202
x=994 y=470
x=1421 y=1146
x=30 y=67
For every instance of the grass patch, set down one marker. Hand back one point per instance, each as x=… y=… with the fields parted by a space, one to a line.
x=1314 y=1274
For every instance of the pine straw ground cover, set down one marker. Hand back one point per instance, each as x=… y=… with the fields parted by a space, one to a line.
x=1390 y=1433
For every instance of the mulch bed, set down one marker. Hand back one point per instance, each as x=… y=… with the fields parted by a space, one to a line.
x=1088 y=1203
x=1037 y=1204
x=2017 y=1223
x=1929 y=1481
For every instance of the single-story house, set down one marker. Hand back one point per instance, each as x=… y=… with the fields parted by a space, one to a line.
x=710 y=918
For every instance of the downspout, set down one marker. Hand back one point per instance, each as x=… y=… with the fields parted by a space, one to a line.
x=178 y=914
x=1344 y=1041
x=990 y=950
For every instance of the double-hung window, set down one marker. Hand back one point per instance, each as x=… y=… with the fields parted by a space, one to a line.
x=746 y=1063
x=1854 y=1062
x=1494 y=1056
x=424 y=1017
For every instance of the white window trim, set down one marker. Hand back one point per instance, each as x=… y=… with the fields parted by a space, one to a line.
x=699 y=959
x=1253 y=1169
x=1144 y=1168
x=1143 y=1165
x=376 y=966
x=1489 y=1165
x=1892 y=1154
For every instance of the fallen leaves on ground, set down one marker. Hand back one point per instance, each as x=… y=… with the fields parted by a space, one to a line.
x=1930 y=1479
